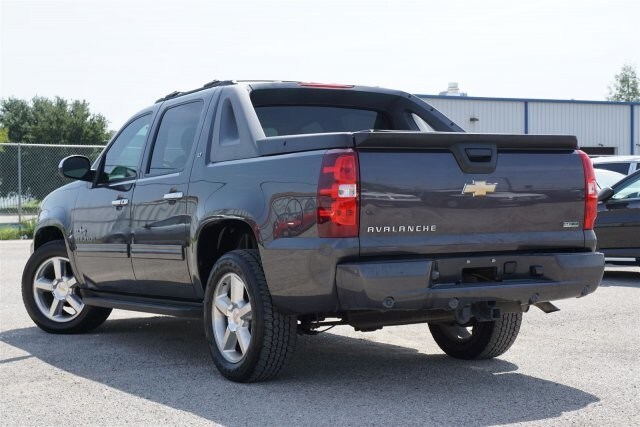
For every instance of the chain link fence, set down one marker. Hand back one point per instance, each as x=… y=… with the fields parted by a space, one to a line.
x=28 y=172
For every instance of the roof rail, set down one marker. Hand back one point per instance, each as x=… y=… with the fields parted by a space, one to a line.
x=214 y=83
x=169 y=96
x=208 y=85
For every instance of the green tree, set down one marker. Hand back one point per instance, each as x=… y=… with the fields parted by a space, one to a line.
x=52 y=121
x=626 y=86
x=15 y=116
x=4 y=135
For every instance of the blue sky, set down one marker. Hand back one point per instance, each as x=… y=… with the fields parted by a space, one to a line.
x=122 y=55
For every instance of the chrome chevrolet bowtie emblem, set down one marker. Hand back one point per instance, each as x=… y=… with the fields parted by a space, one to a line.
x=479 y=188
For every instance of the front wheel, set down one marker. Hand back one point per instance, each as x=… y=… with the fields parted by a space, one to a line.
x=484 y=340
x=50 y=293
x=248 y=338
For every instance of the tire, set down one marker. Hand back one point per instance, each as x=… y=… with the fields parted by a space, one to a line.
x=47 y=280
x=485 y=340
x=248 y=338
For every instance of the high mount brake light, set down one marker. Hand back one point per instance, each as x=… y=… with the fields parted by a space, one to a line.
x=591 y=192
x=338 y=194
x=325 y=85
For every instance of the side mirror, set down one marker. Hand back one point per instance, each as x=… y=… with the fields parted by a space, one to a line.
x=605 y=194
x=76 y=167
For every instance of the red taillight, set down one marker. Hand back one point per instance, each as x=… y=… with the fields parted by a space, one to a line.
x=338 y=194
x=591 y=192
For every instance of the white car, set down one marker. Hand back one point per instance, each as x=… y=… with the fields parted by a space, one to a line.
x=622 y=164
x=606 y=178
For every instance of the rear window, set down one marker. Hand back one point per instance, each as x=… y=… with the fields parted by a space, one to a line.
x=278 y=120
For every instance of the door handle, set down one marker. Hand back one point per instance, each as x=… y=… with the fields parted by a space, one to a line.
x=173 y=196
x=120 y=202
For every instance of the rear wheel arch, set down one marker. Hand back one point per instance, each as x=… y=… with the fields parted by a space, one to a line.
x=217 y=238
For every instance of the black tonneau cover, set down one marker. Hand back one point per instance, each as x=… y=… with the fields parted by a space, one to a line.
x=410 y=140
x=417 y=140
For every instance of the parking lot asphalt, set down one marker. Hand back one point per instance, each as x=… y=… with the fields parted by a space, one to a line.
x=578 y=366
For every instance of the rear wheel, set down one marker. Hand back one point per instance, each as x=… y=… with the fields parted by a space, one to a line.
x=484 y=340
x=50 y=293
x=248 y=338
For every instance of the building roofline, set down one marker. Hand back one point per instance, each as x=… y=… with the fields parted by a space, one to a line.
x=559 y=101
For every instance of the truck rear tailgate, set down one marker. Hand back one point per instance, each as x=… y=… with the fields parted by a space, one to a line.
x=425 y=193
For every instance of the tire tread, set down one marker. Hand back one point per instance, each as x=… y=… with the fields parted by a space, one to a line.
x=504 y=334
x=489 y=339
x=279 y=332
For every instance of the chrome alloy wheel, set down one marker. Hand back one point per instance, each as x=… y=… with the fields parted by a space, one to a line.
x=55 y=291
x=232 y=317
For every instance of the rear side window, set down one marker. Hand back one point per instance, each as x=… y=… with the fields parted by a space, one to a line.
x=175 y=138
x=622 y=168
x=278 y=120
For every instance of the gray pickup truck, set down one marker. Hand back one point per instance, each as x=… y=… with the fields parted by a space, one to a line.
x=273 y=209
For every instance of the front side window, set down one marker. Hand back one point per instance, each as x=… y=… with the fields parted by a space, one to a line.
x=176 y=136
x=630 y=190
x=123 y=157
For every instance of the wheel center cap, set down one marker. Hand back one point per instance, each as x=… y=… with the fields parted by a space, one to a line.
x=60 y=290
x=235 y=320
x=230 y=310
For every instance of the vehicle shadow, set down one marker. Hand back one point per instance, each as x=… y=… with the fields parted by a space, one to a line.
x=624 y=278
x=332 y=379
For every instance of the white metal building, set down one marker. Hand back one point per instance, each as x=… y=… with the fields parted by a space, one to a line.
x=602 y=127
